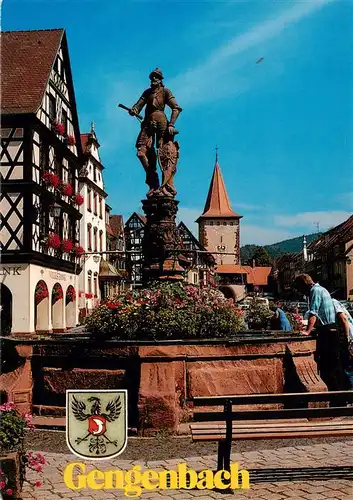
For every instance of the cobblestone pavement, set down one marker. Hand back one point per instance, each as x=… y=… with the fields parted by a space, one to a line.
x=338 y=454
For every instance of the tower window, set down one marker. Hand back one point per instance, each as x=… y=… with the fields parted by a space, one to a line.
x=224 y=223
x=211 y=223
x=218 y=223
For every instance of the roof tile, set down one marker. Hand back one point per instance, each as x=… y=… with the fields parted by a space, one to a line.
x=26 y=61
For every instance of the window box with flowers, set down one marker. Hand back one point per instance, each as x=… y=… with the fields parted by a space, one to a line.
x=58 y=127
x=77 y=251
x=66 y=246
x=66 y=189
x=41 y=292
x=13 y=457
x=50 y=179
x=89 y=295
x=70 y=139
x=78 y=199
x=52 y=241
x=57 y=294
x=70 y=295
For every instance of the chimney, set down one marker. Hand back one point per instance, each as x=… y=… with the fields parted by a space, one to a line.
x=253 y=263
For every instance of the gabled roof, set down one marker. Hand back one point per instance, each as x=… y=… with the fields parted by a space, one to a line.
x=217 y=203
x=117 y=224
x=254 y=275
x=84 y=140
x=141 y=217
x=27 y=58
x=183 y=228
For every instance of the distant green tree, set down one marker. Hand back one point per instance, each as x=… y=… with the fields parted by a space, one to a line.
x=261 y=257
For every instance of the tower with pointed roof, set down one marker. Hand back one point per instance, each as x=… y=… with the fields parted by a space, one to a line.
x=219 y=226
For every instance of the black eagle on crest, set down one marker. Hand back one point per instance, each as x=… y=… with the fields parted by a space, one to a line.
x=97 y=421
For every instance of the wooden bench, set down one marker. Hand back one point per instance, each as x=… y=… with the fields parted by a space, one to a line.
x=291 y=421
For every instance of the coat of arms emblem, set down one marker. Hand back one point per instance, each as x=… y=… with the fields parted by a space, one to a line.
x=96 y=423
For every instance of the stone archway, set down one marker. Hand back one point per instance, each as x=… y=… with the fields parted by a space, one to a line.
x=41 y=307
x=70 y=307
x=57 y=308
x=5 y=310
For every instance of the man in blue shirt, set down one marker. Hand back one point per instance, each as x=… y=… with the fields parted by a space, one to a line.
x=322 y=317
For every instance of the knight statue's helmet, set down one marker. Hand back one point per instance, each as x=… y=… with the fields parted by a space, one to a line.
x=157 y=72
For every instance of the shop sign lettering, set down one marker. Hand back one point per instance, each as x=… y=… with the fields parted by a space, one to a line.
x=11 y=271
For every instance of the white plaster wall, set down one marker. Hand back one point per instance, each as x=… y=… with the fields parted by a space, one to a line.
x=22 y=287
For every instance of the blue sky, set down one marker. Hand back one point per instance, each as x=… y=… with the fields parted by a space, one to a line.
x=284 y=127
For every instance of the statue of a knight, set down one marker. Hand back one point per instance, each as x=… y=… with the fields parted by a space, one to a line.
x=157 y=131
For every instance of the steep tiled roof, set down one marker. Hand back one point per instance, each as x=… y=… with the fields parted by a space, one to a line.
x=217 y=203
x=26 y=61
x=117 y=225
x=254 y=275
x=84 y=140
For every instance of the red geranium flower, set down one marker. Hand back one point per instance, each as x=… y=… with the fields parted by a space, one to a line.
x=51 y=179
x=71 y=140
x=66 y=246
x=53 y=241
x=58 y=127
x=78 y=199
x=78 y=250
x=66 y=189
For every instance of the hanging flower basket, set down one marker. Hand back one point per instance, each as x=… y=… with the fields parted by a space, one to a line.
x=89 y=295
x=66 y=189
x=41 y=292
x=53 y=241
x=70 y=295
x=66 y=246
x=58 y=127
x=57 y=294
x=78 y=199
x=51 y=179
x=77 y=250
x=71 y=141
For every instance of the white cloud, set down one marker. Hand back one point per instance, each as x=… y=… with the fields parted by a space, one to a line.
x=198 y=83
x=310 y=219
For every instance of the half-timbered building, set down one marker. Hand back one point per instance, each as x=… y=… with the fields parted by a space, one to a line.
x=202 y=263
x=40 y=160
x=134 y=231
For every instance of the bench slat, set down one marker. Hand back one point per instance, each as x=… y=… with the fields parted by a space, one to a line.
x=273 y=424
x=239 y=399
x=280 y=435
x=342 y=411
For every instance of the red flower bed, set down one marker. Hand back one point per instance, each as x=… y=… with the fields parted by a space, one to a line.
x=71 y=140
x=78 y=199
x=66 y=189
x=67 y=246
x=58 y=127
x=53 y=241
x=78 y=250
x=51 y=179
